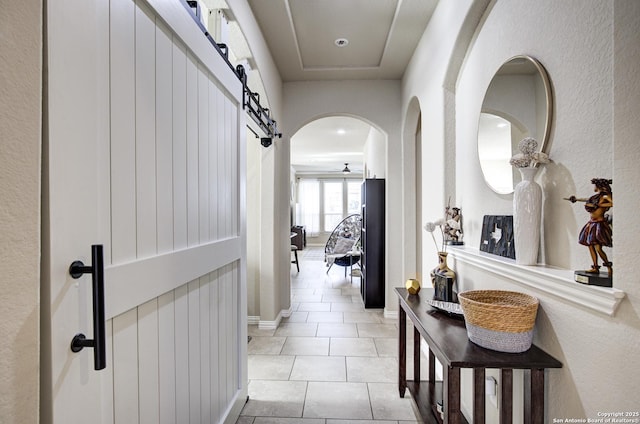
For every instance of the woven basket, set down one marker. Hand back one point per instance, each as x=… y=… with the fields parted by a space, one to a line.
x=499 y=320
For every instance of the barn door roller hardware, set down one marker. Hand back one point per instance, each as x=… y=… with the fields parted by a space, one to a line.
x=250 y=100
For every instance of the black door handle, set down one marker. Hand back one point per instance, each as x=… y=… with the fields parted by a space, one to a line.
x=98 y=343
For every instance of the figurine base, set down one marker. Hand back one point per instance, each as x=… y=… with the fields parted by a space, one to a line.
x=444 y=289
x=454 y=243
x=602 y=279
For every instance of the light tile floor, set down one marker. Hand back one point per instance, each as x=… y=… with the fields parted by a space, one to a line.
x=331 y=362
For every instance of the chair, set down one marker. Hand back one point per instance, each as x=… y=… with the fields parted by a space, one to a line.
x=294 y=249
x=341 y=248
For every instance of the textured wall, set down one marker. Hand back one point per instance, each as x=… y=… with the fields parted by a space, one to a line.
x=590 y=49
x=580 y=43
x=20 y=141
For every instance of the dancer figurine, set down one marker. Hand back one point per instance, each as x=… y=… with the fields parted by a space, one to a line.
x=453 y=226
x=597 y=233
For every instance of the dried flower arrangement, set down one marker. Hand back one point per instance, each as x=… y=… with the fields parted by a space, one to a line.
x=430 y=227
x=528 y=156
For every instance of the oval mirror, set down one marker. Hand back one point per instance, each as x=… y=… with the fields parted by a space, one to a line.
x=517 y=104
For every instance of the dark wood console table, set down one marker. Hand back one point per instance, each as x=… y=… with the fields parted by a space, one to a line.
x=448 y=341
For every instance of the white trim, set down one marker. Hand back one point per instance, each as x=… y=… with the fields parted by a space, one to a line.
x=136 y=282
x=272 y=325
x=390 y=314
x=253 y=320
x=552 y=281
x=286 y=313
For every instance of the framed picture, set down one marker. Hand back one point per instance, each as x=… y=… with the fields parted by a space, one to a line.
x=497 y=236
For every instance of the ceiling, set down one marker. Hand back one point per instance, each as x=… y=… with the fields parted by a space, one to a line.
x=382 y=36
x=301 y=35
x=325 y=145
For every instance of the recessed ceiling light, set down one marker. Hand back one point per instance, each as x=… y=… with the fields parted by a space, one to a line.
x=341 y=42
x=341 y=131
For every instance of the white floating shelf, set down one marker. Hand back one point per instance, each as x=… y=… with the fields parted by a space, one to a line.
x=553 y=281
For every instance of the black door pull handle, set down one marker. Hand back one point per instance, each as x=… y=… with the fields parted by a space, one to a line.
x=98 y=343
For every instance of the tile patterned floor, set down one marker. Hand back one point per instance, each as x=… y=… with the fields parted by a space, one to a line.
x=331 y=362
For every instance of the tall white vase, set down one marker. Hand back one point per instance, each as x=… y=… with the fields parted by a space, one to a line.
x=527 y=204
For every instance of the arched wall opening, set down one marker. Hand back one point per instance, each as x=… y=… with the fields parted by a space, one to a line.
x=377 y=102
x=412 y=191
x=321 y=150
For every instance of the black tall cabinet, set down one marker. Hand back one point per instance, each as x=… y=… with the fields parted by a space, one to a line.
x=372 y=243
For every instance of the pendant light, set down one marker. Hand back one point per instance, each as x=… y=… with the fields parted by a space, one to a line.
x=346 y=169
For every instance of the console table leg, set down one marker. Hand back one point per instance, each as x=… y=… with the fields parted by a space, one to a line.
x=402 y=351
x=416 y=355
x=478 y=395
x=451 y=396
x=432 y=378
x=506 y=407
x=534 y=396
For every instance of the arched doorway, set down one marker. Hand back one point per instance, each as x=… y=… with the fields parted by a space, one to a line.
x=330 y=157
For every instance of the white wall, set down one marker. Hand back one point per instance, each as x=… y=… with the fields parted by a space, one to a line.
x=375 y=155
x=427 y=92
x=268 y=273
x=20 y=156
x=590 y=49
x=378 y=103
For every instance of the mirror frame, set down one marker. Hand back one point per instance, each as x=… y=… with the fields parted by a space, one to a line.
x=542 y=72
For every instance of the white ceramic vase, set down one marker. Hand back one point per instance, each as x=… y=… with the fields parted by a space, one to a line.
x=527 y=204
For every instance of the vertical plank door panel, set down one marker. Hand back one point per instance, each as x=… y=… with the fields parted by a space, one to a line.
x=148 y=379
x=235 y=330
x=194 y=352
x=145 y=75
x=107 y=382
x=221 y=165
x=235 y=172
x=167 y=358
x=231 y=336
x=222 y=336
x=192 y=152
x=205 y=344
x=125 y=367
x=123 y=154
x=164 y=142
x=213 y=160
x=182 y=353
x=217 y=407
x=229 y=111
x=179 y=146
x=203 y=155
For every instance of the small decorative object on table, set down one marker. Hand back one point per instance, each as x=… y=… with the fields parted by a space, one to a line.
x=443 y=278
x=597 y=233
x=453 y=226
x=453 y=309
x=499 y=320
x=412 y=285
x=527 y=202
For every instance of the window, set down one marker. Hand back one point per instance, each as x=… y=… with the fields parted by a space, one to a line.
x=353 y=197
x=333 y=208
x=323 y=203
x=309 y=205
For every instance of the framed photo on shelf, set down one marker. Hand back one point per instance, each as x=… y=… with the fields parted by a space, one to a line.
x=497 y=236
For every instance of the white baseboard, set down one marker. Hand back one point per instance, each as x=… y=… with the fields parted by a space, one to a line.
x=272 y=325
x=390 y=314
x=286 y=313
x=253 y=320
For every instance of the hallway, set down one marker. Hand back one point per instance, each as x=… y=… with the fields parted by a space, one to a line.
x=331 y=362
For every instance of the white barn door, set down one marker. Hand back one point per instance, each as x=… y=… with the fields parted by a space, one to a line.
x=142 y=155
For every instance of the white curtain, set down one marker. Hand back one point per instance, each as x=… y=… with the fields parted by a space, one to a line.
x=308 y=207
